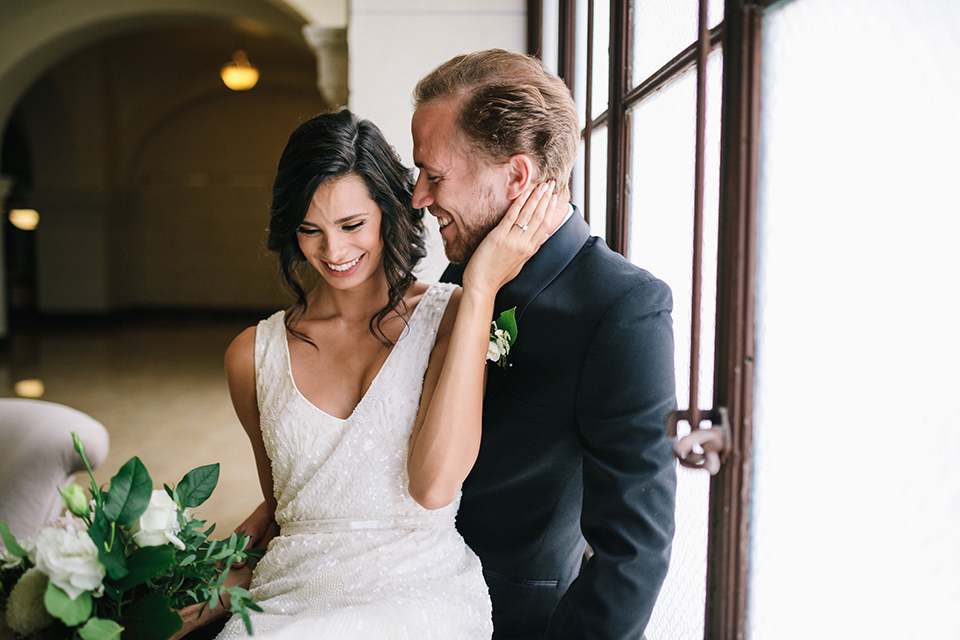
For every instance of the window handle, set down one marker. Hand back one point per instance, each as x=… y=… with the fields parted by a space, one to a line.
x=701 y=448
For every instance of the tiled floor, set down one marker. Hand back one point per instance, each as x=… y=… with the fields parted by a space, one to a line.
x=158 y=387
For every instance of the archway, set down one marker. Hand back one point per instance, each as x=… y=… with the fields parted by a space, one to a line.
x=98 y=88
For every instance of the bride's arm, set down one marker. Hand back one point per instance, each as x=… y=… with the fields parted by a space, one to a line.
x=446 y=437
x=241 y=379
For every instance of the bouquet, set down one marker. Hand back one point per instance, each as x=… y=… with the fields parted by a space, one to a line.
x=122 y=564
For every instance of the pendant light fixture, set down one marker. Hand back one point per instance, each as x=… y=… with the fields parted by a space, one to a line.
x=239 y=74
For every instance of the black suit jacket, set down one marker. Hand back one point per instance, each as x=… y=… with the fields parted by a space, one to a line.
x=574 y=441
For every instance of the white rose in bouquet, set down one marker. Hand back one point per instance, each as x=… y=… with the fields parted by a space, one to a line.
x=159 y=524
x=69 y=559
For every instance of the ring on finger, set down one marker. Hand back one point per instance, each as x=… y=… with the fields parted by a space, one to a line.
x=522 y=226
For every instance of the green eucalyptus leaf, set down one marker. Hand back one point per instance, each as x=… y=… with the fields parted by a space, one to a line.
x=197 y=485
x=150 y=618
x=145 y=564
x=129 y=493
x=100 y=629
x=10 y=542
x=71 y=612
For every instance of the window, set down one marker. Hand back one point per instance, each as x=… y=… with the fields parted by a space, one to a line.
x=656 y=181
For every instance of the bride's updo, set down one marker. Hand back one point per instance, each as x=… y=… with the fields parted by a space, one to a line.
x=330 y=146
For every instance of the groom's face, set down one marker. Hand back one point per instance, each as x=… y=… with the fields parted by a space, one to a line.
x=465 y=193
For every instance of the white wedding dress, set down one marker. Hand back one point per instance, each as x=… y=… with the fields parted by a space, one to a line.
x=357 y=557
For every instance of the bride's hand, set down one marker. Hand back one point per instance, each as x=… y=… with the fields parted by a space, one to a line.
x=513 y=241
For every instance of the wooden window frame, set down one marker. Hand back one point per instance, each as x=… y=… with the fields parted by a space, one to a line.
x=740 y=35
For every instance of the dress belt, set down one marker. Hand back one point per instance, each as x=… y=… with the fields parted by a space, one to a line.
x=332 y=525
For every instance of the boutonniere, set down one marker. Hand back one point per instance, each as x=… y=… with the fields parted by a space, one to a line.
x=503 y=333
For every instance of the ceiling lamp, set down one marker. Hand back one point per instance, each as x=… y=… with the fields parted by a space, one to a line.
x=32 y=388
x=239 y=74
x=26 y=219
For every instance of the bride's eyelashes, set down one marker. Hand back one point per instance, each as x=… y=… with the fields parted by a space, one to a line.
x=311 y=231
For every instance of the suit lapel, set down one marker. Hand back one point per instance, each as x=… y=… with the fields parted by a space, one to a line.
x=552 y=258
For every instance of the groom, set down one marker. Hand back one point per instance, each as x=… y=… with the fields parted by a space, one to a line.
x=574 y=447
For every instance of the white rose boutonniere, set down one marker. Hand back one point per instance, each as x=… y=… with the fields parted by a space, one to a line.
x=503 y=333
x=159 y=524
x=70 y=559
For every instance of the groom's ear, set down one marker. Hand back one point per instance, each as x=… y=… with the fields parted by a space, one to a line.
x=521 y=174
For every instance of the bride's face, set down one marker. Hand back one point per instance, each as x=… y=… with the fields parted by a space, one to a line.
x=340 y=235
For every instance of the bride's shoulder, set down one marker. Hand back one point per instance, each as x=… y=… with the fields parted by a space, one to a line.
x=242 y=347
x=450 y=313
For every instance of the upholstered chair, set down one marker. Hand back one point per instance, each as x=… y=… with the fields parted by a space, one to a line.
x=37 y=458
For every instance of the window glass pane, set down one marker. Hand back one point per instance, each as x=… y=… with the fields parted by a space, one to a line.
x=550 y=53
x=661 y=241
x=598 y=182
x=856 y=494
x=664 y=28
x=601 y=58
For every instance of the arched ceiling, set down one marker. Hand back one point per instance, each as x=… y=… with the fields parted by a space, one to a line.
x=35 y=34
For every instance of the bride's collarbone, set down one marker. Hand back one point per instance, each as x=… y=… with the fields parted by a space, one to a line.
x=335 y=373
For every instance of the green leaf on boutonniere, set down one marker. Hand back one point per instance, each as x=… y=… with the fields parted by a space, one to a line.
x=129 y=493
x=59 y=605
x=197 y=485
x=503 y=333
x=508 y=322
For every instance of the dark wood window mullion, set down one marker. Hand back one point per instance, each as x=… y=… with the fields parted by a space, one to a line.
x=728 y=537
x=567 y=45
x=671 y=71
x=535 y=28
x=618 y=139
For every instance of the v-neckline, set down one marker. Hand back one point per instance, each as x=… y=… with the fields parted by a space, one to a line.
x=386 y=361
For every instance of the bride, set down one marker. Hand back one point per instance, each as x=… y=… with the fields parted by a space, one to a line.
x=363 y=400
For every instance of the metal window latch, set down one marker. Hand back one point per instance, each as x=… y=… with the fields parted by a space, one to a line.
x=701 y=448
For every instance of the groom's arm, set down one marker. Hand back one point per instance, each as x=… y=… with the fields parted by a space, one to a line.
x=629 y=475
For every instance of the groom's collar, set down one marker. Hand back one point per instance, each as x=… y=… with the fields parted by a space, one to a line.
x=545 y=265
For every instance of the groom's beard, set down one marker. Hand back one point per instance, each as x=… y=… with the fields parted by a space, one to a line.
x=469 y=236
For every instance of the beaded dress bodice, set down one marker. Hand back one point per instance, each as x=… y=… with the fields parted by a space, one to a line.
x=357 y=558
x=326 y=468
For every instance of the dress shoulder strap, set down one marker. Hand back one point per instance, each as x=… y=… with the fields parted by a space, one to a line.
x=270 y=355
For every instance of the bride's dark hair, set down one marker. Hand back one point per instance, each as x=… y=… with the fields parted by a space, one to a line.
x=327 y=147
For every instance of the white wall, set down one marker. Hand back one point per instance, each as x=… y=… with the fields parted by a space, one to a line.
x=856 y=506
x=394 y=44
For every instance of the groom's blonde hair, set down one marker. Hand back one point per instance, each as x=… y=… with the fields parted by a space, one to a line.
x=509 y=104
